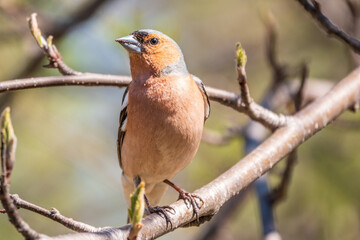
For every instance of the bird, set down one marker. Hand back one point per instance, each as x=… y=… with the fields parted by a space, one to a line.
x=162 y=116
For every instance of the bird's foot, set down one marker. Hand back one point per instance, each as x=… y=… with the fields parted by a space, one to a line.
x=189 y=198
x=164 y=212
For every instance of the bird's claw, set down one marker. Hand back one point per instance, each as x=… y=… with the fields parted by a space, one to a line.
x=163 y=211
x=190 y=200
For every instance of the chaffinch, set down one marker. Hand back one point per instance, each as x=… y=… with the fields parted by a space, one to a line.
x=162 y=117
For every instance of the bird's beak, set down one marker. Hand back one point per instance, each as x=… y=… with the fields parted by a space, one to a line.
x=130 y=43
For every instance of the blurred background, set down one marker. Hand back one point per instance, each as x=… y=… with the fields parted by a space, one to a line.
x=66 y=154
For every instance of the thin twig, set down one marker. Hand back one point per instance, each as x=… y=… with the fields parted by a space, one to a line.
x=328 y=26
x=244 y=88
x=242 y=78
x=90 y=80
x=53 y=214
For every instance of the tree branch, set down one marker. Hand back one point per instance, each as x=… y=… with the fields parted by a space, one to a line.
x=330 y=28
x=53 y=214
x=242 y=78
x=87 y=79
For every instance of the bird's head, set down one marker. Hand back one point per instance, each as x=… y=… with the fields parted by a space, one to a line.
x=152 y=53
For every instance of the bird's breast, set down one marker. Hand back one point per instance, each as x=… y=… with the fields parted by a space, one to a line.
x=165 y=119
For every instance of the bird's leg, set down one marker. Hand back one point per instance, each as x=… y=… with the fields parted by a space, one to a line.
x=188 y=198
x=162 y=211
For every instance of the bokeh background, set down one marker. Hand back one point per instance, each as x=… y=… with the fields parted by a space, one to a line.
x=66 y=155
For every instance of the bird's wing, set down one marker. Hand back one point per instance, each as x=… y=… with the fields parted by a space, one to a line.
x=205 y=96
x=122 y=123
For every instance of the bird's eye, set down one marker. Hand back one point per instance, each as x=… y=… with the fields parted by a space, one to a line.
x=154 y=41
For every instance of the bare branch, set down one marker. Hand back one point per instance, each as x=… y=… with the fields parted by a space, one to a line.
x=53 y=214
x=328 y=26
x=91 y=80
x=242 y=78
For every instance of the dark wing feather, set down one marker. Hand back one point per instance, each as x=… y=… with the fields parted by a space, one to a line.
x=205 y=96
x=122 y=123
